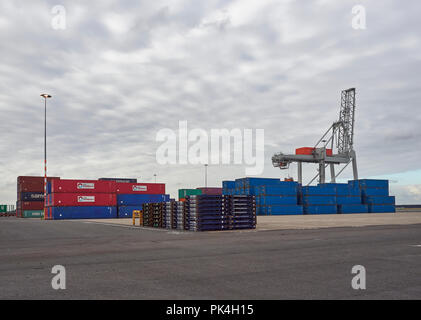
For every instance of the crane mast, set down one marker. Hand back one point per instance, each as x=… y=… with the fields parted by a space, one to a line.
x=325 y=152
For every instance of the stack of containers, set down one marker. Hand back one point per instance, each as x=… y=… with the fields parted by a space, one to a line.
x=375 y=194
x=318 y=199
x=205 y=213
x=153 y=214
x=168 y=221
x=240 y=211
x=348 y=198
x=132 y=196
x=183 y=193
x=30 y=196
x=81 y=199
x=228 y=187
x=179 y=215
x=280 y=199
x=273 y=196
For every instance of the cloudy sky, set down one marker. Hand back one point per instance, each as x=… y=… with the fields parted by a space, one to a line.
x=122 y=70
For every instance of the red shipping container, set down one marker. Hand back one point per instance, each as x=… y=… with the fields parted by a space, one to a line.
x=82 y=199
x=213 y=191
x=85 y=186
x=32 y=184
x=140 y=188
x=30 y=205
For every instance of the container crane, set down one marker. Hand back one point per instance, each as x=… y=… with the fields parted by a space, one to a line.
x=340 y=136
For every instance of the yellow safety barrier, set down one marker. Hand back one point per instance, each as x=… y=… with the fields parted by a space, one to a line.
x=137 y=214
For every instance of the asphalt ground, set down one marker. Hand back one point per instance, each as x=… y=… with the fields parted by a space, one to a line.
x=108 y=261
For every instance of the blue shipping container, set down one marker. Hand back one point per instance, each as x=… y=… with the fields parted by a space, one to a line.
x=59 y=213
x=318 y=191
x=353 y=208
x=375 y=192
x=276 y=200
x=349 y=200
x=228 y=184
x=381 y=208
x=370 y=183
x=290 y=190
x=32 y=196
x=321 y=209
x=139 y=199
x=379 y=200
x=127 y=211
x=316 y=200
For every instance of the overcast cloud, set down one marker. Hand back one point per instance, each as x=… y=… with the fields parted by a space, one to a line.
x=122 y=70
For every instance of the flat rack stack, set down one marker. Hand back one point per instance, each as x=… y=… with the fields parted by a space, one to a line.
x=240 y=211
x=205 y=213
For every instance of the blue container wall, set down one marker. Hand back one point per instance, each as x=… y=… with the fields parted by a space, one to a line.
x=290 y=190
x=139 y=199
x=370 y=183
x=59 y=213
x=228 y=184
x=279 y=210
x=318 y=191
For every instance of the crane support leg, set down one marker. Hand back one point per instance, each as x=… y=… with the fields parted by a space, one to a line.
x=354 y=167
x=322 y=176
x=300 y=172
x=332 y=173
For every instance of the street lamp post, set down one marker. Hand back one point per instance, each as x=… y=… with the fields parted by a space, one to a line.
x=206 y=175
x=45 y=96
x=155 y=177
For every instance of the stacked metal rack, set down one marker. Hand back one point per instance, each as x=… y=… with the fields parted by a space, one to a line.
x=168 y=215
x=204 y=213
x=179 y=213
x=240 y=211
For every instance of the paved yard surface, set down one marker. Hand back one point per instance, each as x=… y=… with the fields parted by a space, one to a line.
x=109 y=261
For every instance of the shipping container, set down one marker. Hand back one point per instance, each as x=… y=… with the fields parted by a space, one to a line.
x=183 y=193
x=278 y=210
x=375 y=192
x=381 y=208
x=139 y=199
x=348 y=200
x=211 y=190
x=127 y=211
x=81 y=199
x=276 y=200
x=93 y=212
x=85 y=186
x=352 y=208
x=321 y=209
x=32 y=214
x=370 y=183
x=140 y=188
x=30 y=205
x=290 y=190
x=380 y=200
x=120 y=180
x=32 y=196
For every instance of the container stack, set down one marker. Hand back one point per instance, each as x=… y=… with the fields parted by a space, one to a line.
x=273 y=196
x=153 y=214
x=30 y=196
x=240 y=211
x=211 y=191
x=132 y=196
x=375 y=194
x=180 y=215
x=80 y=199
x=147 y=209
x=348 y=198
x=319 y=199
x=228 y=187
x=168 y=219
x=205 y=213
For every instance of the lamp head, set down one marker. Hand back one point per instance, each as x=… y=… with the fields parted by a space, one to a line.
x=45 y=95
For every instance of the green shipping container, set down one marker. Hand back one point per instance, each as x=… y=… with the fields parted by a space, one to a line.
x=33 y=214
x=3 y=208
x=183 y=193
